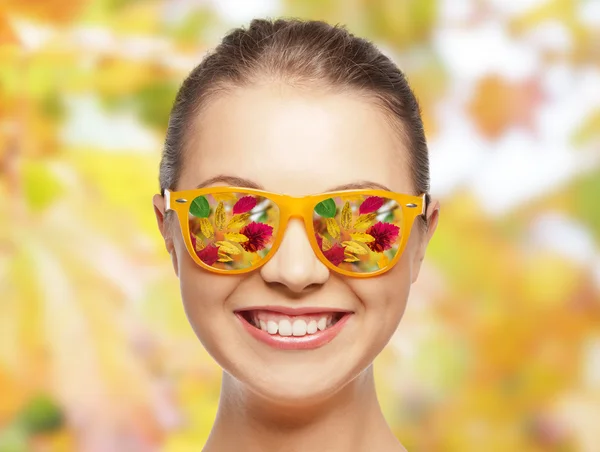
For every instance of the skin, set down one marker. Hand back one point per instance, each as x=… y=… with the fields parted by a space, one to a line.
x=299 y=142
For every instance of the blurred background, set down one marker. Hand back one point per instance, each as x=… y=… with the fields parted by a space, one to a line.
x=499 y=349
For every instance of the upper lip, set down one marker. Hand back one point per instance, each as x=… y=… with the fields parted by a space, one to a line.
x=306 y=310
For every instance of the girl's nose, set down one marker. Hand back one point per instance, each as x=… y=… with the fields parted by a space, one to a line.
x=295 y=264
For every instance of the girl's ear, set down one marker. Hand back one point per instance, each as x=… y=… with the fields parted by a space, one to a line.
x=166 y=231
x=432 y=215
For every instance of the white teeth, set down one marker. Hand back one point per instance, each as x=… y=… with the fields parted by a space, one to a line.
x=285 y=328
x=272 y=327
x=322 y=323
x=290 y=326
x=299 y=328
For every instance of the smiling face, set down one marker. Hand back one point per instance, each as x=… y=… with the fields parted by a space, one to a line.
x=296 y=142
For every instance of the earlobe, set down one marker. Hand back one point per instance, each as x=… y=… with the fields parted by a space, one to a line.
x=432 y=215
x=159 y=211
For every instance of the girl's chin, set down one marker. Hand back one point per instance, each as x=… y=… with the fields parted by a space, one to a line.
x=294 y=394
x=299 y=388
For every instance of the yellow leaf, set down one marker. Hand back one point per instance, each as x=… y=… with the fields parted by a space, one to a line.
x=238 y=221
x=220 y=216
x=226 y=247
x=346 y=216
x=383 y=261
x=236 y=237
x=333 y=228
x=200 y=244
x=224 y=258
x=326 y=244
x=362 y=237
x=354 y=247
x=225 y=197
x=350 y=258
x=207 y=228
x=364 y=221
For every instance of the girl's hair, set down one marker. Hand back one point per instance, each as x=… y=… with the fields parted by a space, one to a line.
x=304 y=54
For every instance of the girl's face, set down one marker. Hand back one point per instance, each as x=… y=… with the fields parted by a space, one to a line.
x=294 y=142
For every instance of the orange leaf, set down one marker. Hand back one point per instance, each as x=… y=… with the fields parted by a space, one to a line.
x=499 y=104
x=7 y=34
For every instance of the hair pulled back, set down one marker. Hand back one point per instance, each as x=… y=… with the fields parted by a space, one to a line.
x=300 y=53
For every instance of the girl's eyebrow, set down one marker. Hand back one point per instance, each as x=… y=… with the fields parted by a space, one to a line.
x=235 y=181
x=360 y=185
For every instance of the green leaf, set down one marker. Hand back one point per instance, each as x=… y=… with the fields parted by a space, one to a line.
x=263 y=217
x=326 y=208
x=41 y=414
x=389 y=218
x=153 y=103
x=199 y=207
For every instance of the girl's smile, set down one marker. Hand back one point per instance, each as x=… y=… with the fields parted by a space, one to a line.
x=293 y=329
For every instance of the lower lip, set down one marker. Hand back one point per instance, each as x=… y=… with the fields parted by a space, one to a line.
x=306 y=342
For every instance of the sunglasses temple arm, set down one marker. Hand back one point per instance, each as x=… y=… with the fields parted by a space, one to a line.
x=167 y=196
x=426 y=201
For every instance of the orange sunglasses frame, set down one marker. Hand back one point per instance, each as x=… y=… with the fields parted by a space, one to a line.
x=292 y=206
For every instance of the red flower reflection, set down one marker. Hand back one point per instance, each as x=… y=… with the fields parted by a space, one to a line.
x=385 y=235
x=258 y=235
x=244 y=204
x=335 y=254
x=319 y=241
x=209 y=255
x=371 y=204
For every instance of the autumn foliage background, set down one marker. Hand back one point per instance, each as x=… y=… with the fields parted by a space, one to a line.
x=500 y=347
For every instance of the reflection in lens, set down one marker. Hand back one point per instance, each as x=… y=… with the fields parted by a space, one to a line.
x=232 y=231
x=358 y=233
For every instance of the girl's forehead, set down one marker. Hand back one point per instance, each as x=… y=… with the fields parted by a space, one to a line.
x=290 y=140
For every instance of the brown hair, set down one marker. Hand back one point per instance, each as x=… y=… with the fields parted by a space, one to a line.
x=302 y=53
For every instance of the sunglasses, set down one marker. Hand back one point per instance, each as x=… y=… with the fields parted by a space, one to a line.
x=233 y=230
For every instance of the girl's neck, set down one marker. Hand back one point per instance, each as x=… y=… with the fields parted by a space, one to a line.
x=349 y=421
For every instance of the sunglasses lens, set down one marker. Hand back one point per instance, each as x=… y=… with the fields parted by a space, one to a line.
x=358 y=233
x=232 y=231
